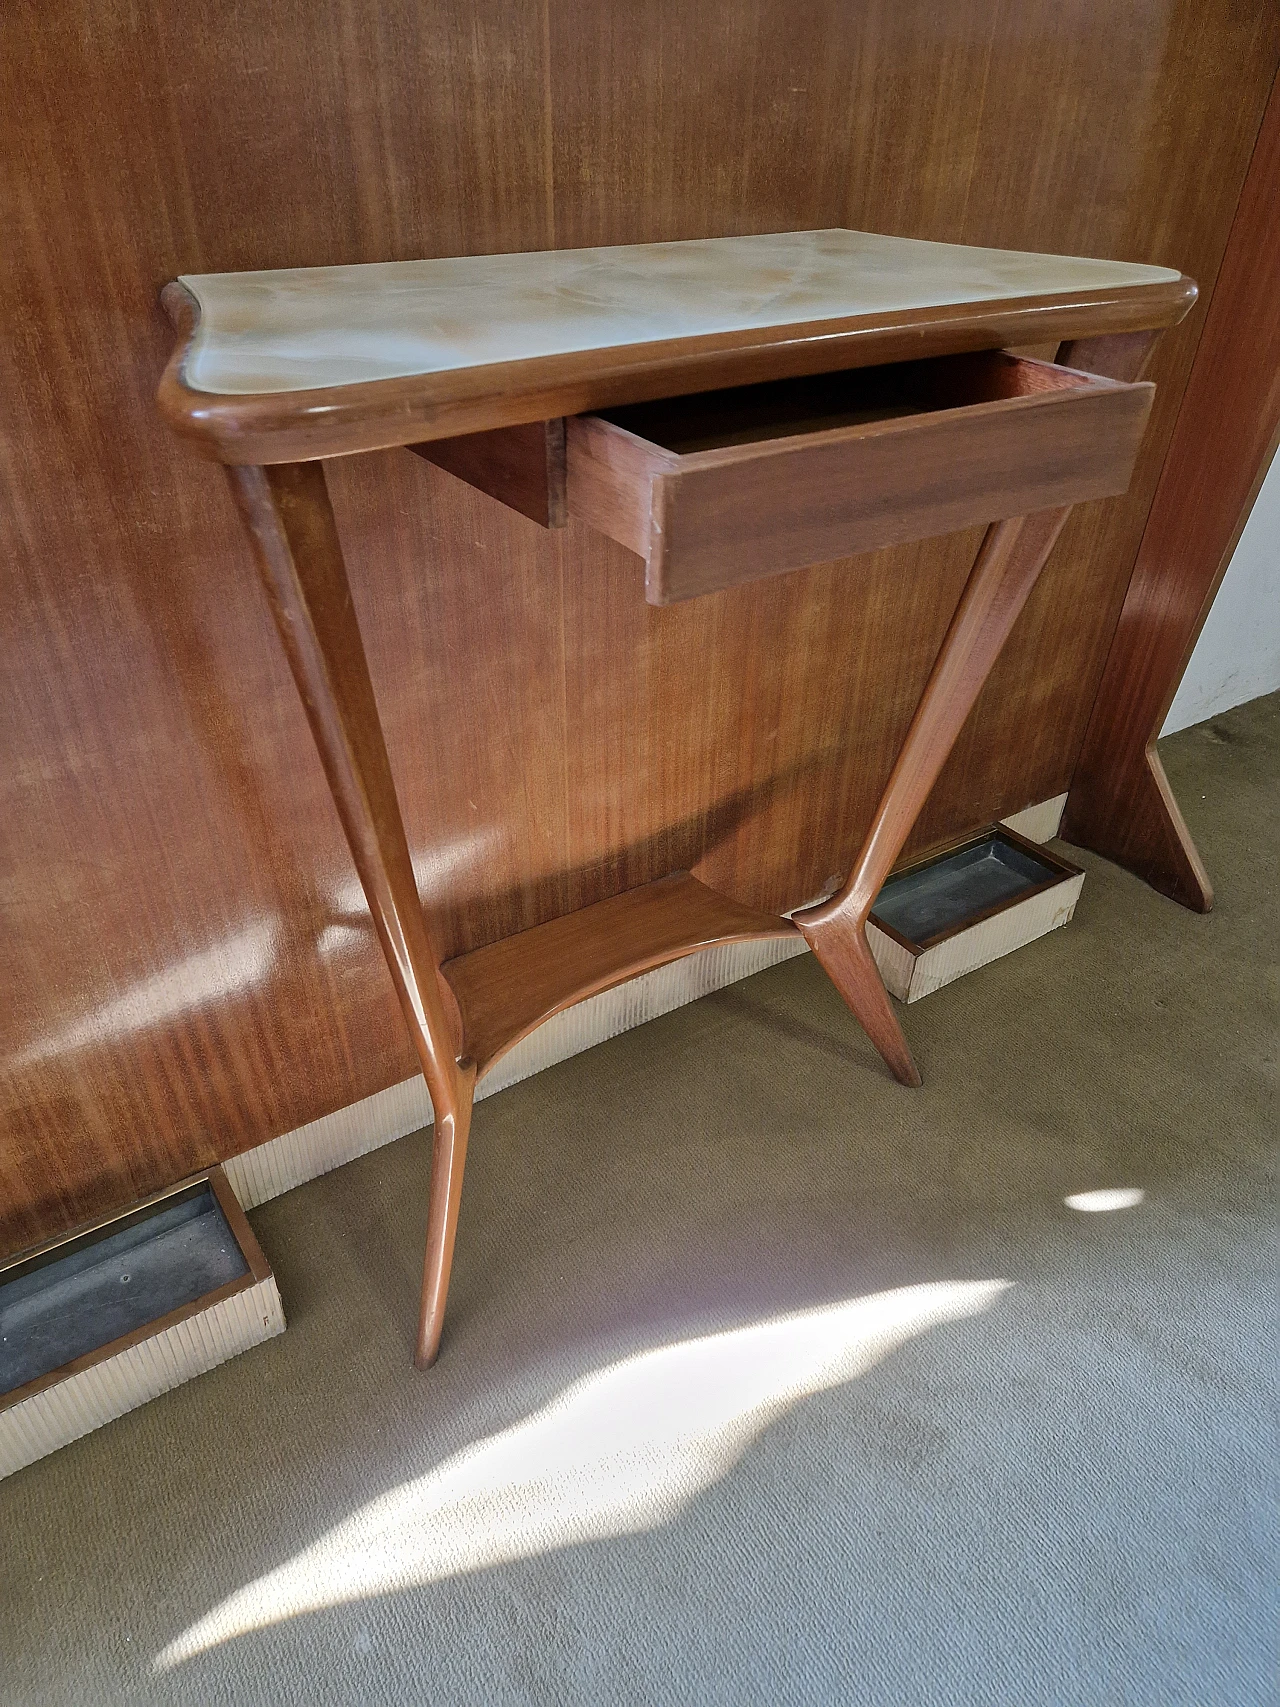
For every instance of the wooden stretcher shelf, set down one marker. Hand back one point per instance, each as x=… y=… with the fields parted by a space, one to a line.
x=505 y=990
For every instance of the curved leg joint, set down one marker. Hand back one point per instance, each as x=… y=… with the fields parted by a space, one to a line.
x=845 y=955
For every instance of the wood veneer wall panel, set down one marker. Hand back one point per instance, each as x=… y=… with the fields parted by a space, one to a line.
x=174 y=988
x=1024 y=127
x=186 y=967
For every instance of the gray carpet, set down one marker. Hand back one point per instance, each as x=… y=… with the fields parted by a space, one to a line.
x=997 y=1450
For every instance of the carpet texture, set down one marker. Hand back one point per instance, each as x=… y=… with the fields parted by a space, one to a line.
x=764 y=1380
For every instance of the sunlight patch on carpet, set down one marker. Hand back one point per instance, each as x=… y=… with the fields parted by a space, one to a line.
x=622 y=1450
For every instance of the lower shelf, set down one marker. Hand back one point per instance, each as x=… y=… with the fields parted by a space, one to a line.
x=505 y=990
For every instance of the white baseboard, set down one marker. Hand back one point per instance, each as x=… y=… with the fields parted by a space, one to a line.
x=295 y=1157
x=1038 y=823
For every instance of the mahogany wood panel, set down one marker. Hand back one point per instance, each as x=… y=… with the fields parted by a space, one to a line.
x=522 y=467
x=982 y=439
x=188 y=967
x=1120 y=803
x=507 y=988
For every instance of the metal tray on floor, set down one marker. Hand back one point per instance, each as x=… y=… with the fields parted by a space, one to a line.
x=963 y=907
x=108 y=1316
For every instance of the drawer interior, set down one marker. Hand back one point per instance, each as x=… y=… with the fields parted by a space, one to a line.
x=751 y=414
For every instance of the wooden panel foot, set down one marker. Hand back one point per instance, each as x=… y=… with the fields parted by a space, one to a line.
x=1133 y=819
x=1008 y=563
x=1120 y=803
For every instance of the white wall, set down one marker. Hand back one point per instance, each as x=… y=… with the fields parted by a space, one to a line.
x=1237 y=656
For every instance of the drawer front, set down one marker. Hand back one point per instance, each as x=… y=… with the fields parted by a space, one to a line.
x=727 y=514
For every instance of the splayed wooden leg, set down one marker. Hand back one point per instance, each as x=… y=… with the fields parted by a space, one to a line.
x=290 y=523
x=448 y=1158
x=1009 y=560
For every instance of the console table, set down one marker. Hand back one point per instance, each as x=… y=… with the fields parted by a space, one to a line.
x=726 y=408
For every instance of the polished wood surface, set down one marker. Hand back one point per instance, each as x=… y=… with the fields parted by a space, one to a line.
x=1012 y=554
x=936 y=446
x=288 y=517
x=503 y=991
x=508 y=988
x=522 y=467
x=1120 y=803
x=1012 y=437
x=189 y=967
x=449 y=1137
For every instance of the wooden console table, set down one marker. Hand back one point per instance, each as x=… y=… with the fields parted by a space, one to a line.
x=726 y=408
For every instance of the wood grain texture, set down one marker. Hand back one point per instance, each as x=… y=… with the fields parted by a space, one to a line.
x=522 y=467
x=289 y=519
x=1120 y=803
x=509 y=987
x=188 y=965
x=611 y=474
x=996 y=438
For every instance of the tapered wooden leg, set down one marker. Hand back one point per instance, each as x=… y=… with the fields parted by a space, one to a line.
x=448 y=1158
x=290 y=522
x=1010 y=558
x=846 y=958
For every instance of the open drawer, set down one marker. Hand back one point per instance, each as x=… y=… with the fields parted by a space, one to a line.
x=726 y=486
